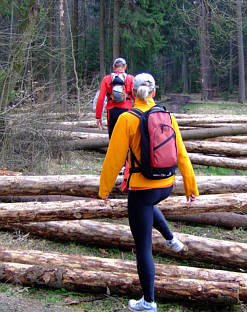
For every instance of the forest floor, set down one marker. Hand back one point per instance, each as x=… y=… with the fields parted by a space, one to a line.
x=17 y=298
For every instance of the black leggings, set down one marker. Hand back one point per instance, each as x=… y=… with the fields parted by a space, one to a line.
x=112 y=117
x=143 y=215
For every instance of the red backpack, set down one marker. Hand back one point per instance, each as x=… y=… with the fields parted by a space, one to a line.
x=158 y=144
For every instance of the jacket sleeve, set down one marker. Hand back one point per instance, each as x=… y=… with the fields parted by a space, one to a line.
x=101 y=98
x=115 y=157
x=184 y=163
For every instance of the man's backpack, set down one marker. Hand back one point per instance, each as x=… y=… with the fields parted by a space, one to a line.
x=158 y=144
x=118 y=82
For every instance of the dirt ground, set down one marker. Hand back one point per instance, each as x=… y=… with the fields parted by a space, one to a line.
x=19 y=304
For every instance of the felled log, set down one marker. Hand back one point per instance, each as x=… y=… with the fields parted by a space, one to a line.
x=211 y=118
x=224 y=219
x=87 y=263
x=75 y=135
x=87 y=144
x=87 y=185
x=117 y=283
x=207 y=147
x=218 y=161
x=186 y=134
x=224 y=253
x=115 y=208
x=211 y=133
x=38 y=198
x=231 y=139
x=209 y=125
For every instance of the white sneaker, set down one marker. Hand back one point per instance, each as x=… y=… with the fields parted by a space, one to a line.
x=142 y=305
x=175 y=245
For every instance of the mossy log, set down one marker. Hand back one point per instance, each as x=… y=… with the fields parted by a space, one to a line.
x=89 y=208
x=224 y=253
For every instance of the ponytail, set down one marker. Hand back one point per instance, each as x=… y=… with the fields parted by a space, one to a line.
x=143 y=92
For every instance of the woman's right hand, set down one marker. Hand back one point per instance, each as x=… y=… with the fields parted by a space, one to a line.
x=190 y=199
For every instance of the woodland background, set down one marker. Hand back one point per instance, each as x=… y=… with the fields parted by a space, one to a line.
x=56 y=48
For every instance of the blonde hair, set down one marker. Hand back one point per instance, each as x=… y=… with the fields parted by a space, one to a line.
x=143 y=92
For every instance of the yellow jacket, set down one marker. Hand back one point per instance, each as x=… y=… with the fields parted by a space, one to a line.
x=127 y=133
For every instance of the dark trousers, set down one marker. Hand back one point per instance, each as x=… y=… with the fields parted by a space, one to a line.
x=112 y=117
x=143 y=215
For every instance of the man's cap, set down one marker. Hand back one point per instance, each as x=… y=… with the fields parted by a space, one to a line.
x=143 y=79
x=119 y=61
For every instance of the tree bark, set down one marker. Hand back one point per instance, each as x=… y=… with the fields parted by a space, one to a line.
x=215 y=161
x=230 y=139
x=63 y=74
x=75 y=135
x=225 y=219
x=87 y=185
x=212 y=133
x=241 y=71
x=117 y=283
x=88 y=263
x=116 y=34
x=226 y=253
x=206 y=147
x=102 y=39
x=51 y=25
x=204 y=49
x=117 y=208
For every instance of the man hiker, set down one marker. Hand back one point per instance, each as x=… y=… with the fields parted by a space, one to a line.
x=117 y=87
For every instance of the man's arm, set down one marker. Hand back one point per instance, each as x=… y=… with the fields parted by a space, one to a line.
x=100 y=102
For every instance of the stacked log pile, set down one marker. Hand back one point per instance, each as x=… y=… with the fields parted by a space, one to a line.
x=57 y=219
x=196 y=131
x=213 y=140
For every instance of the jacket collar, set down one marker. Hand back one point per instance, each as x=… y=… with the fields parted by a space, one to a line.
x=143 y=105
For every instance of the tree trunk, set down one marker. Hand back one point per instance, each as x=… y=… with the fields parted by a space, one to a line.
x=86 y=144
x=241 y=71
x=204 y=49
x=215 y=161
x=112 y=235
x=206 y=147
x=212 y=133
x=117 y=208
x=230 y=139
x=230 y=63
x=185 y=74
x=87 y=185
x=225 y=219
x=75 y=135
x=17 y=58
x=75 y=27
x=102 y=39
x=51 y=25
x=87 y=263
x=116 y=34
x=63 y=77
x=117 y=283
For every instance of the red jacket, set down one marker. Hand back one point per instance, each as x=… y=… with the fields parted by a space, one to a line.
x=106 y=89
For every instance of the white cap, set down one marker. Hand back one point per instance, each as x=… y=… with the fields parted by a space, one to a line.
x=143 y=79
x=119 y=61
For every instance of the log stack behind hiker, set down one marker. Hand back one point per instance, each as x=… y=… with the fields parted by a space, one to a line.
x=144 y=193
x=117 y=87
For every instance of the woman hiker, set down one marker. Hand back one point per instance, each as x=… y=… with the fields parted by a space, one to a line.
x=144 y=193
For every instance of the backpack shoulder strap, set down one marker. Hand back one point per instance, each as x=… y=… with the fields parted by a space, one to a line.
x=137 y=112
